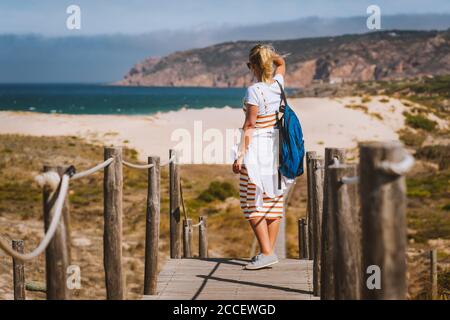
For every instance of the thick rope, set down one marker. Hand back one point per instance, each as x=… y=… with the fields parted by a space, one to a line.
x=50 y=231
x=146 y=166
x=92 y=170
x=137 y=166
x=336 y=162
x=350 y=180
x=197 y=224
x=172 y=159
x=399 y=168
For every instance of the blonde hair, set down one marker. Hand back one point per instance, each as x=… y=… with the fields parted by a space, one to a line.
x=261 y=57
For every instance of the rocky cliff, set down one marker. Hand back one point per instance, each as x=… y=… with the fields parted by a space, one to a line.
x=383 y=55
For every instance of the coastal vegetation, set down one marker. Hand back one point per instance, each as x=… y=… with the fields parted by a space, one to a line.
x=212 y=190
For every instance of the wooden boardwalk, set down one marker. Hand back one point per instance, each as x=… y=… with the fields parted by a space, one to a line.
x=209 y=279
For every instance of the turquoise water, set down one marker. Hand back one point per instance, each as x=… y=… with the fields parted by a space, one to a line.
x=101 y=99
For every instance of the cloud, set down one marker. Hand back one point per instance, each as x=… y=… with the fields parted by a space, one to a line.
x=106 y=58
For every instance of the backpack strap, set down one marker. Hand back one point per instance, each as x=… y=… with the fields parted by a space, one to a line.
x=283 y=94
x=280 y=136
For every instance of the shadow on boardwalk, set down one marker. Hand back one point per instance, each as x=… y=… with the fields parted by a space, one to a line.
x=201 y=279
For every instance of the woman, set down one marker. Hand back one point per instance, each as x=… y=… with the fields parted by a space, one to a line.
x=257 y=157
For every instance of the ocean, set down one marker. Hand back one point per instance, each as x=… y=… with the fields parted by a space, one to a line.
x=103 y=99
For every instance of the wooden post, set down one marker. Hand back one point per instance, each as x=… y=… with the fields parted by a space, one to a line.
x=317 y=204
x=344 y=205
x=57 y=253
x=302 y=239
x=434 y=274
x=309 y=218
x=175 y=214
x=187 y=238
x=112 y=236
x=152 y=224
x=66 y=215
x=327 y=290
x=383 y=205
x=18 y=272
x=203 y=238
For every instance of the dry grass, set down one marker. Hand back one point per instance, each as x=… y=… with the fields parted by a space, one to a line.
x=229 y=234
x=22 y=157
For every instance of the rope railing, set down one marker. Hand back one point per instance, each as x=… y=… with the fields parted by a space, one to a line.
x=64 y=187
x=56 y=187
x=197 y=224
x=350 y=180
x=146 y=166
x=52 y=179
x=336 y=161
x=398 y=168
x=137 y=166
x=93 y=170
x=171 y=159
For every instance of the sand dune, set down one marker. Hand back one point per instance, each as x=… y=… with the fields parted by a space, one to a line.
x=326 y=122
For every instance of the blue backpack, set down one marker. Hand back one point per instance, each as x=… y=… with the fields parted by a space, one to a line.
x=292 y=145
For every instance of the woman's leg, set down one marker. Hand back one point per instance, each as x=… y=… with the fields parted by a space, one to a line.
x=273 y=225
x=259 y=226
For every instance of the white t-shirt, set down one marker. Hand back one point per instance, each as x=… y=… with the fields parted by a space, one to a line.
x=266 y=96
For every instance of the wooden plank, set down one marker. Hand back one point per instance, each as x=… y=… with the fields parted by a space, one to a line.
x=199 y=279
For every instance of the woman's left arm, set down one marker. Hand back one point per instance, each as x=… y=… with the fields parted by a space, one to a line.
x=280 y=64
x=248 y=127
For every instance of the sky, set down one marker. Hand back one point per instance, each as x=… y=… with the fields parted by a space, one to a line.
x=36 y=45
x=48 y=17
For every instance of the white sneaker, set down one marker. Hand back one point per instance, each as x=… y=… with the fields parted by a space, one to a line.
x=261 y=261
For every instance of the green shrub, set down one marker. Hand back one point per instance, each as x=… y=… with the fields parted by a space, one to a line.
x=411 y=139
x=436 y=185
x=420 y=122
x=418 y=193
x=218 y=190
x=360 y=107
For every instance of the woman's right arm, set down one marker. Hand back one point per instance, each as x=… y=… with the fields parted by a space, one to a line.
x=280 y=64
x=247 y=128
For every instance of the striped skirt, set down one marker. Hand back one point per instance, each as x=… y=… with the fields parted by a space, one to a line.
x=272 y=207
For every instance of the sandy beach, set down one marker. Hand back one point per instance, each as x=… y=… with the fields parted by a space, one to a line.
x=326 y=122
